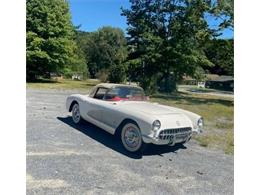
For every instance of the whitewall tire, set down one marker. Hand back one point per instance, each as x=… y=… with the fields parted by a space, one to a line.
x=131 y=138
x=76 y=117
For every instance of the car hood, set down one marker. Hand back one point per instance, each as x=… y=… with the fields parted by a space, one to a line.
x=169 y=117
x=149 y=108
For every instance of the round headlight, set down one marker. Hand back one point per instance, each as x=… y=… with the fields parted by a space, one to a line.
x=156 y=125
x=200 y=122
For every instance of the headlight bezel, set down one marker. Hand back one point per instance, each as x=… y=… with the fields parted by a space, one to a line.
x=156 y=125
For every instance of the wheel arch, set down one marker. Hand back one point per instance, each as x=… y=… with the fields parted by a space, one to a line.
x=72 y=104
x=124 y=122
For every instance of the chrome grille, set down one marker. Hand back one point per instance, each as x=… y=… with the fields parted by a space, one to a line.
x=170 y=133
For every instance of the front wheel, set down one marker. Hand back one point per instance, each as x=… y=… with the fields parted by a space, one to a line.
x=131 y=138
x=76 y=114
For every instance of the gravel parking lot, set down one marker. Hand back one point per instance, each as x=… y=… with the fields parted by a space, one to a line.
x=66 y=159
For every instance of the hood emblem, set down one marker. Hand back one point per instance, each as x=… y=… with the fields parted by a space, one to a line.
x=178 y=123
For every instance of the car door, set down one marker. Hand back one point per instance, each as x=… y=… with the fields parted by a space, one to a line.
x=95 y=105
x=110 y=114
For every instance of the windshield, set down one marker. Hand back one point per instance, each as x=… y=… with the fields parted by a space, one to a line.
x=125 y=93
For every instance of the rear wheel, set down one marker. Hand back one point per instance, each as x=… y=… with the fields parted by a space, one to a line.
x=76 y=114
x=131 y=138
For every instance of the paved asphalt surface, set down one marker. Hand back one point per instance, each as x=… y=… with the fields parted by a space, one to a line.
x=66 y=159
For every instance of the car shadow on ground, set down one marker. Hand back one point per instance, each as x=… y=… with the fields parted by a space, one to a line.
x=114 y=143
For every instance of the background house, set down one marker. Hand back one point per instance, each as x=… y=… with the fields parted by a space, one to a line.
x=225 y=83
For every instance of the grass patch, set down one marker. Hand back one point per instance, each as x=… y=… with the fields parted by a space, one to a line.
x=204 y=141
x=218 y=114
x=229 y=146
x=63 y=84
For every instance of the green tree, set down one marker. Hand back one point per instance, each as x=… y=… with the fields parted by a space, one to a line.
x=167 y=40
x=221 y=53
x=105 y=51
x=166 y=37
x=50 y=45
x=224 y=11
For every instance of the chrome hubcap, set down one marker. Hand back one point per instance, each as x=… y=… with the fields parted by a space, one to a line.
x=132 y=137
x=76 y=113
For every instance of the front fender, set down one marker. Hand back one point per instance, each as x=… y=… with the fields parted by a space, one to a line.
x=74 y=97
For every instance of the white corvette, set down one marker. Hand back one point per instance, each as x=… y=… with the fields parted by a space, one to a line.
x=125 y=110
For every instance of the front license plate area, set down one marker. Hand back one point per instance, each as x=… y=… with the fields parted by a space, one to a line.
x=181 y=137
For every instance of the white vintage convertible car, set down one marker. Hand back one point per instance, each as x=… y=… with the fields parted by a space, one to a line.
x=125 y=110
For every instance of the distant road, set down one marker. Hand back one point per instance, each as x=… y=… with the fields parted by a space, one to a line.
x=195 y=90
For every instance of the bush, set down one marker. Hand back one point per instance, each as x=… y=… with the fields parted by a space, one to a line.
x=67 y=73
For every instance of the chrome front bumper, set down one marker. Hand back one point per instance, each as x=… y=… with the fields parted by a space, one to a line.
x=170 y=136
